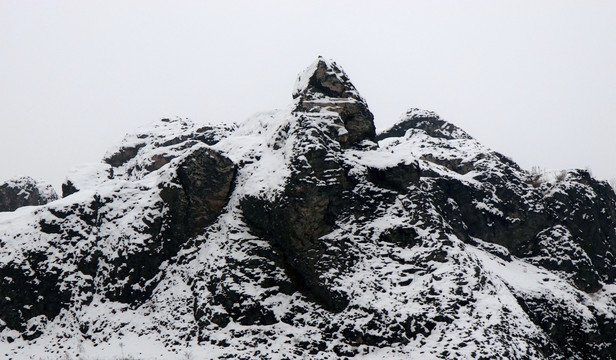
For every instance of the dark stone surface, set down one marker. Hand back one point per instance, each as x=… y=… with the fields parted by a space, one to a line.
x=24 y=191
x=146 y=154
x=191 y=201
x=329 y=80
x=330 y=83
x=592 y=342
x=313 y=198
x=123 y=155
x=68 y=188
x=398 y=226
x=567 y=227
x=587 y=208
x=428 y=121
x=198 y=194
x=397 y=178
x=30 y=289
x=294 y=225
x=523 y=212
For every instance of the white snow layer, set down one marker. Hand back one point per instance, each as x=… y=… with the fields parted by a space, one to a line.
x=385 y=279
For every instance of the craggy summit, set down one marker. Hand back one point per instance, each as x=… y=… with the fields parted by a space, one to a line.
x=303 y=234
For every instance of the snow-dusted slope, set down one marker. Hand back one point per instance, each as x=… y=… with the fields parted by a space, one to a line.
x=302 y=234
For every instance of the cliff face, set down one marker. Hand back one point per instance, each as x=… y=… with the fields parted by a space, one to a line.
x=301 y=233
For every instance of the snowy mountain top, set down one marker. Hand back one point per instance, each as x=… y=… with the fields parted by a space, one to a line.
x=325 y=78
x=155 y=145
x=428 y=121
x=294 y=235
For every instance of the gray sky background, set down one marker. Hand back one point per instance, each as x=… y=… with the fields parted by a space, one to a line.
x=535 y=80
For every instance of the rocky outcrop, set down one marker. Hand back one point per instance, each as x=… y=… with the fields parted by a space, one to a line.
x=507 y=209
x=25 y=191
x=564 y=224
x=30 y=291
x=398 y=177
x=295 y=235
x=192 y=200
x=99 y=252
x=425 y=120
x=197 y=194
x=141 y=153
x=325 y=87
x=330 y=115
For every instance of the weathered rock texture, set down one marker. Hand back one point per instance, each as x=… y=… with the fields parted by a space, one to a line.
x=324 y=87
x=295 y=235
x=24 y=191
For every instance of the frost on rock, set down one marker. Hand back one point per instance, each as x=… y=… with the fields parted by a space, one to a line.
x=25 y=191
x=301 y=234
x=325 y=88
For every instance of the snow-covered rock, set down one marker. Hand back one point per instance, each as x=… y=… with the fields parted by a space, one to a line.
x=25 y=191
x=294 y=235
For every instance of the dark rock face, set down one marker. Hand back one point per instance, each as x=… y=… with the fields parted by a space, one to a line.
x=191 y=201
x=140 y=154
x=566 y=226
x=397 y=178
x=556 y=249
x=123 y=155
x=197 y=196
x=68 y=188
x=587 y=208
x=317 y=192
x=30 y=292
x=294 y=235
x=327 y=87
x=571 y=342
x=520 y=215
x=24 y=191
x=327 y=79
x=427 y=121
x=307 y=209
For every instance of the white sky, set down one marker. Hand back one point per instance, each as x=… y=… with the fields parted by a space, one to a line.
x=534 y=80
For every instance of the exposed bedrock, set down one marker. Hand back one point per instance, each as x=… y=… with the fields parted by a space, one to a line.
x=24 y=191
x=191 y=201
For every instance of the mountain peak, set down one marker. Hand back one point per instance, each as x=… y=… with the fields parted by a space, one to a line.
x=294 y=235
x=325 y=78
x=325 y=88
x=425 y=120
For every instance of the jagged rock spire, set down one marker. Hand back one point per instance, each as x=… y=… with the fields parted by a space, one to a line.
x=266 y=239
x=325 y=78
x=325 y=86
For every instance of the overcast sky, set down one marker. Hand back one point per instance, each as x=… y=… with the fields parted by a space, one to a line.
x=534 y=80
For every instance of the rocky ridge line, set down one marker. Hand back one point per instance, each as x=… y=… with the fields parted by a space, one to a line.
x=296 y=235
